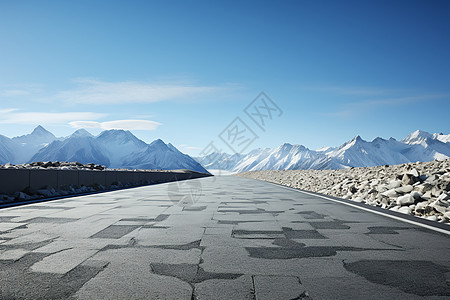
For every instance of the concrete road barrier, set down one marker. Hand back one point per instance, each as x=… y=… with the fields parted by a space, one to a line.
x=17 y=180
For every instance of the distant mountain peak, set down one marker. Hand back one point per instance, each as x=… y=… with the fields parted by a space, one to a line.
x=417 y=137
x=41 y=131
x=121 y=136
x=39 y=128
x=357 y=139
x=81 y=133
x=158 y=143
x=38 y=135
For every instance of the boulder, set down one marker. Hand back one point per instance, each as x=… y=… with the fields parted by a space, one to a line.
x=22 y=196
x=408 y=179
x=422 y=207
x=414 y=172
x=416 y=195
x=404 y=189
x=390 y=193
x=45 y=192
x=440 y=206
x=447 y=216
x=405 y=200
x=444 y=196
x=431 y=218
x=405 y=210
x=424 y=187
x=394 y=184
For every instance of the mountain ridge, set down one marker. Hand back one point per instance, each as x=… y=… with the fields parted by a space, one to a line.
x=112 y=148
x=417 y=146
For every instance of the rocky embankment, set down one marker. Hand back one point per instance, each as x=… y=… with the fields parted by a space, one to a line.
x=56 y=165
x=421 y=189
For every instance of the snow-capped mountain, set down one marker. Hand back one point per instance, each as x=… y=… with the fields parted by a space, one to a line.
x=418 y=146
x=7 y=149
x=81 y=133
x=432 y=146
x=118 y=145
x=220 y=161
x=359 y=153
x=113 y=148
x=27 y=145
x=75 y=148
x=160 y=154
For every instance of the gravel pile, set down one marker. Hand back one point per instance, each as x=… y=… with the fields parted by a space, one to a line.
x=420 y=189
x=56 y=165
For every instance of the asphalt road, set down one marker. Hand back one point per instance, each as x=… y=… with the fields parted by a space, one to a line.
x=216 y=238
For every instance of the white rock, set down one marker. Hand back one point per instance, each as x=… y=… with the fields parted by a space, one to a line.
x=414 y=172
x=432 y=218
x=394 y=184
x=404 y=189
x=390 y=193
x=447 y=215
x=405 y=200
x=440 y=206
x=405 y=210
x=358 y=199
x=421 y=206
x=444 y=196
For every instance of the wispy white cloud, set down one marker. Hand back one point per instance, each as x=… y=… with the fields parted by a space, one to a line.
x=90 y=91
x=15 y=93
x=118 y=124
x=15 y=116
x=360 y=107
x=352 y=90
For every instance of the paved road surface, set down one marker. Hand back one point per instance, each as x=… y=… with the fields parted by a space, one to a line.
x=234 y=238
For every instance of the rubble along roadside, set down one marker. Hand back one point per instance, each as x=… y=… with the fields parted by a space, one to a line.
x=421 y=189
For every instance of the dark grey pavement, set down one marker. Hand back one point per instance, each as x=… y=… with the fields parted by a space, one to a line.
x=216 y=238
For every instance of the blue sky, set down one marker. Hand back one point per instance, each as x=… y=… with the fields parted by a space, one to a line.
x=182 y=71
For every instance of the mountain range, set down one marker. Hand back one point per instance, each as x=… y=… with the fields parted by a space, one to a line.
x=417 y=146
x=112 y=148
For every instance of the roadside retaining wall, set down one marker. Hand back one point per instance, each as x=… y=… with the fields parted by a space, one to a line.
x=16 y=180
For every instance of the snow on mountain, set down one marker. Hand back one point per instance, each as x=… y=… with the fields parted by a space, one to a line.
x=118 y=145
x=111 y=148
x=445 y=138
x=27 y=145
x=159 y=155
x=428 y=146
x=285 y=157
x=81 y=133
x=83 y=149
x=417 y=137
x=359 y=153
x=418 y=146
x=7 y=147
x=324 y=149
x=219 y=161
x=121 y=149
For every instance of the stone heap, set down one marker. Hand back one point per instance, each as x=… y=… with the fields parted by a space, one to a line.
x=58 y=165
x=421 y=189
